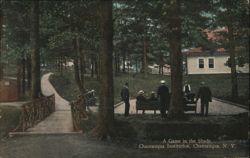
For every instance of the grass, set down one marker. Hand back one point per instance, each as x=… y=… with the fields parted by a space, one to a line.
x=220 y=85
x=9 y=119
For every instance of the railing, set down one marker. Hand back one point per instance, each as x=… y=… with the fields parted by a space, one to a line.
x=35 y=111
x=78 y=108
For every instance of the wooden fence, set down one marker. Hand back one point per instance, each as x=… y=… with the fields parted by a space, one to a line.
x=35 y=111
x=78 y=108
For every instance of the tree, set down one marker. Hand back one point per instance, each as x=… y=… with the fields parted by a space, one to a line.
x=16 y=39
x=229 y=14
x=1 y=24
x=35 y=54
x=176 y=108
x=69 y=31
x=106 y=107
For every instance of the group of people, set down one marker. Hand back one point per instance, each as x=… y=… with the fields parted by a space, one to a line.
x=163 y=95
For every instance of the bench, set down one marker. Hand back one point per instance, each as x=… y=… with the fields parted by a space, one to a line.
x=90 y=99
x=87 y=99
x=189 y=105
x=147 y=105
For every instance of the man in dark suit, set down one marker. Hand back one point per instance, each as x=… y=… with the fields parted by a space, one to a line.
x=205 y=96
x=125 y=98
x=163 y=94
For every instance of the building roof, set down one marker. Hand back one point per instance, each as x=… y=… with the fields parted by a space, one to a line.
x=199 y=51
x=210 y=50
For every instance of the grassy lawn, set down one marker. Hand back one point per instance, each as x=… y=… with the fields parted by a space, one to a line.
x=9 y=119
x=219 y=84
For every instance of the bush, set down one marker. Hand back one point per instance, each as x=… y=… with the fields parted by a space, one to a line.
x=9 y=119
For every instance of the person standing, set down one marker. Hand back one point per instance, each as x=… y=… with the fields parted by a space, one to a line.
x=187 y=92
x=186 y=88
x=205 y=95
x=125 y=98
x=163 y=94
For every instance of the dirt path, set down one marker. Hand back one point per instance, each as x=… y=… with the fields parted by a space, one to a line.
x=58 y=122
x=216 y=107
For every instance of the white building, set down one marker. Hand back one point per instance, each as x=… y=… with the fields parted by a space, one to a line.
x=154 y=69
x=201 y=61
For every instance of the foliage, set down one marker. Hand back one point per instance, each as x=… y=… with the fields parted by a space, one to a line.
x=240 y=61
x=9 y=119
x=235 y=14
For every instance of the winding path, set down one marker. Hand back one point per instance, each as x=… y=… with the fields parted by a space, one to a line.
x=58 y=122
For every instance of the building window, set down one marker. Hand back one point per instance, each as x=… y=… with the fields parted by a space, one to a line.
x=201 y=63
x=211 y=63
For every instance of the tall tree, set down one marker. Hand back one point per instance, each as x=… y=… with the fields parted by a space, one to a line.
x=35 y=54
x=229 y=15
x=176 y=106
x=106 y=107
x=1 y=24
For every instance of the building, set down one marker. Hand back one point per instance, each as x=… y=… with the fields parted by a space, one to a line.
x=8 y=90
x=210 y=60
x=154 y=69
x=200 y=61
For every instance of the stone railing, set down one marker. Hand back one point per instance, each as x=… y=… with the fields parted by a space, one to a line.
x=35 y=111
x=78 y=108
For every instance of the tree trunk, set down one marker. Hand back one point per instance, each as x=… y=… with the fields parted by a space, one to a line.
x=128 y=64
x=106 y=107
x=97 y=67
x=1 y=24
x=123 y=62
x=61 y=64
x=136 y=65
x=92 y=66
x=19 y=76
x=116 y=63
x=82 y=69
x=76 y=74
x=145 y=45
x=28 y=67
x=76 y=67
x=176 y=109
x=35 y=56
x=161 y=65
x=23 y=74
x=234 y=81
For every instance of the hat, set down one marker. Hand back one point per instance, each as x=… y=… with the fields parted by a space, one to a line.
x=162 y=81
x=141 y=92
x=153 y=92
x=202 y=83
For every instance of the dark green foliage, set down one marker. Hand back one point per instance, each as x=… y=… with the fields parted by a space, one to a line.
x=9 y=119
x=240 y=61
